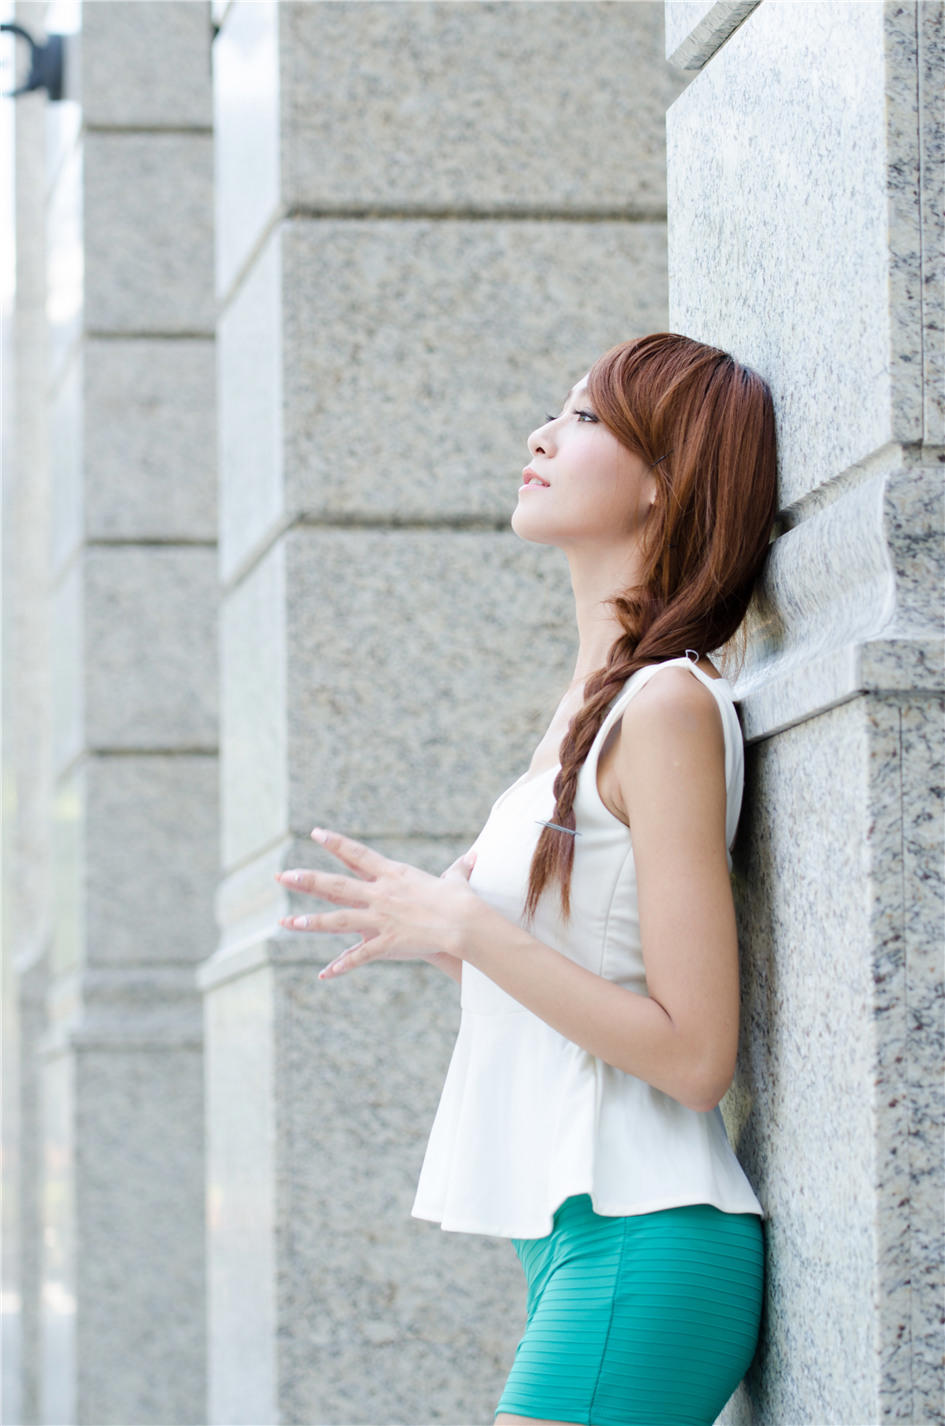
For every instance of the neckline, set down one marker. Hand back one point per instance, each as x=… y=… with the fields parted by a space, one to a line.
x=524 y=781
x=528 y=777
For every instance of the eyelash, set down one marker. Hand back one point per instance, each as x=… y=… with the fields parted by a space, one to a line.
x=589 y=415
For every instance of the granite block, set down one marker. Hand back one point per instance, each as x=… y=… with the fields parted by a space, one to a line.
x=802 y=1110
x=150 y=668
x=461 y=106
x=66 y=427
x=884 y=888
x=148 y=233
x=65 y=261
x=416 y=108
x=132 y=443
x=915 y=149
x=251 y=413
x=416 y=357
x=68 y=656
x=246 y=133
x=254 y=693
x=409 y=748
x=838 y=875
x=374 y=1337
x=930 y=37
x=308 y=1091
x=150 y=822
x=140 y=1325
x=424 y=690
x=914 y=521
x=244 y=1149
x=149 y=450
x=918 y=1077
x=695 y=29
x=68 y=884
x=146 y=64
x=781 y=146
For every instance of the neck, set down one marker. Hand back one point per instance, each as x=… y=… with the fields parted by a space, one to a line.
x=596 y=576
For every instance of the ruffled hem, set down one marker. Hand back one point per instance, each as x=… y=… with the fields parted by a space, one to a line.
x=500 y=1163
x=606 y=1210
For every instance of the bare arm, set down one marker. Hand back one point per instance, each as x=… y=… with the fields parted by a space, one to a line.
x=681 y=1037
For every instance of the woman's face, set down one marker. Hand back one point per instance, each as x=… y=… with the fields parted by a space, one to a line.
x=582 y=487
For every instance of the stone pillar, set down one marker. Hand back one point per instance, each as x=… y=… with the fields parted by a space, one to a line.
x=430 y=219
x=128 y=582
x=26 y=719
x=804 y=206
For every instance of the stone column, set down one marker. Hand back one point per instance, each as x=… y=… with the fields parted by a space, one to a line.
x=129 y=400
x=430 y=219
x=26 y=718
x=804 y=204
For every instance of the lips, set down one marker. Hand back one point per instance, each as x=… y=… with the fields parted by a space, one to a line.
x=531 y=477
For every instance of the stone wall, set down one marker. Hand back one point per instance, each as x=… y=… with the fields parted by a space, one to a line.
x=429 y=218
x=110 y=559
x=429 y=221
x=296 y=283
x=804 y=205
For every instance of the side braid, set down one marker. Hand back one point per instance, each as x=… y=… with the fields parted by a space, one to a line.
x=554 y=852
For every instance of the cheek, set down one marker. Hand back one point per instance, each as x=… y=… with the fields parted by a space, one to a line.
x=611 y=501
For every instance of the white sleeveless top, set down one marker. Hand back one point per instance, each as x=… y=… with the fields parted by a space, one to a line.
x=527 y=1117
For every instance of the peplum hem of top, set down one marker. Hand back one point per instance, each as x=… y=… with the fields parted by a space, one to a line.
x=606 y=1210
x=542 y=1119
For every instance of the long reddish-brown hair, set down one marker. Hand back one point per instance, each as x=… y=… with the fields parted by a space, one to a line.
x=705 y=424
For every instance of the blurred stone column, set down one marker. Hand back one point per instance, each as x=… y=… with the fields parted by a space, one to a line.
x=805 y=159
x=26 y=718
x=130 y=393
x=430 y=219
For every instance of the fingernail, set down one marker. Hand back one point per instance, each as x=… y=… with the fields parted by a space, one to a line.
x=319 y=834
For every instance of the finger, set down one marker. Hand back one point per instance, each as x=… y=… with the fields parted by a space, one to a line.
x=341 y=963
x=350 y=920
x=461 y=867
x=346 y=890
x=361 y=859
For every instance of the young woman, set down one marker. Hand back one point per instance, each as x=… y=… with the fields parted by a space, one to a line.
x=592 y=925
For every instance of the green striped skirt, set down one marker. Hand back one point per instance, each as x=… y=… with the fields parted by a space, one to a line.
x=646 y=1320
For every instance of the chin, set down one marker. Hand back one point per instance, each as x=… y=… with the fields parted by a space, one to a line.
x=528 y=528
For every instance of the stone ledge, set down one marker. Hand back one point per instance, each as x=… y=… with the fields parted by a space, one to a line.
x=908 y=667
x=695 y=29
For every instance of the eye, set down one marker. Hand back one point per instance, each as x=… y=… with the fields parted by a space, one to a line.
x=585 y=415
x=549 y=417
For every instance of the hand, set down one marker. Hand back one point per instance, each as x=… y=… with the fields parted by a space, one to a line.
x=400 y=912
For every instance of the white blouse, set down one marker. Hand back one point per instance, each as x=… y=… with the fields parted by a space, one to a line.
x=526 y=1117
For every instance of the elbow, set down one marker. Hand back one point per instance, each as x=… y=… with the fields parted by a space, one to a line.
x=704 y=1090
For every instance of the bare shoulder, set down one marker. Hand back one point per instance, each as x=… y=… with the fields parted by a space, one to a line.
x=673 y=704
x=670 y=755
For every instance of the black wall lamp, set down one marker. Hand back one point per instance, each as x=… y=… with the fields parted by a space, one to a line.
x=46 y=64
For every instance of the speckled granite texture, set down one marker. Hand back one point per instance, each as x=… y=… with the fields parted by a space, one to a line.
x=804 y=191
x=118 y=202
x=793 y=118
x=395 y=324
x=839 y=1085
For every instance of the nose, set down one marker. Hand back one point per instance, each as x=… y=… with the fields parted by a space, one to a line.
x=540 y=441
